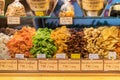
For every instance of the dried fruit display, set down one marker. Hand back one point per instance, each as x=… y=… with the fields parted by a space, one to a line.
x=4 y=52
x=118 y=45
x=8 y=31
x=43 y=44
x=21 y=42
x=101 y=40
x=60 y=36
x=77 y=43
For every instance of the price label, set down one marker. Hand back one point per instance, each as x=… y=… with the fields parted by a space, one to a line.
x=60 y=56
x=111 y=65
x=93 y=56
x=13 y=20
x=39 y=13
x=48 y=65
x=69 y=65
x=92 y=65
x=8 y=64
x=112 y=55
x=27 y=65
x=75 y=56
x=66 y=20
x=19 y=56
x=41 y=56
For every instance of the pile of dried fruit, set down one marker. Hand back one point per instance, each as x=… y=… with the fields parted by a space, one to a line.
x=76 y=43
x=60 y=36
x=8 y=31
x=101 y=40
x=21 y=42
x=43 y=44
x=4 y=52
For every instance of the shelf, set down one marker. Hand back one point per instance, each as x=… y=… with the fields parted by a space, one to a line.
x=48 y=17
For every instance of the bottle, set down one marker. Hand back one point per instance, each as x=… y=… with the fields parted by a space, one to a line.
x=92 y=8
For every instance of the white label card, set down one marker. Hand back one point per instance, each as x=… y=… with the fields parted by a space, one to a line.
x=112 y=55
x=66 y=20
x=93 y=56
x=60 y=56
x=13 y=20
x=19 y=56
x=41 y=56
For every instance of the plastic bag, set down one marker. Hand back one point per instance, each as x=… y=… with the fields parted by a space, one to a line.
x=15 y=9
x=2 y=4
x=67 y=9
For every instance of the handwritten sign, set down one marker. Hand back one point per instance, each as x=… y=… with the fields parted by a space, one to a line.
x=8 y=64
x=111 y=65
x=13 y=20
x=69 y=65
x=48 y=65
x=66 y=20
x=27 y=64
x=92 y=65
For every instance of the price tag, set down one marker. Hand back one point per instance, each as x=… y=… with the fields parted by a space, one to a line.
x=66 y=20
x=48 y=65
x=92 y=65
x=60 y=56
x=39 y=13
x=41 y=56
x=69 y=65
x=13 y=20
x=75 y=56
x=96 y=56
x=8 y=64
x=112 y=55
x=27 y=65
x=93 y=56
x=111 y=65
x=19 y=56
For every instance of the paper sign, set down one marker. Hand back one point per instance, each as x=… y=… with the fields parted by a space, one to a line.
x=92 y=65
x=19 y=56
x=48 y=65
x=112 y=55
x=60 y=56
x=75 y=56
x=66 y=20
x=93 y=56
x=69 y=65
x=13 y=20
x=8 y=64
x=111 y=65
x=27 y=65
x=41 y=56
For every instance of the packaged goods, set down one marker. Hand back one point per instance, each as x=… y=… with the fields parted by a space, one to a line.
x=67 y=9
x=2 y=5
x=15 y=9
x=42 y=7
x=92 y=8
